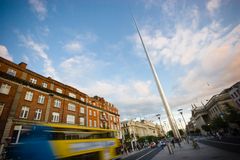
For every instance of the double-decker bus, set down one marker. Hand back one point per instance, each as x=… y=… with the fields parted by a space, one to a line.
x=65 y=142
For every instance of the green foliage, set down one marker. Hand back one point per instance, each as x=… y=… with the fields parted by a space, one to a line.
x=148 y=139
x=206 y=128
x=218 y=123
x=232 y=115
x=197 y=130
x=181 y=132
x=170 y=133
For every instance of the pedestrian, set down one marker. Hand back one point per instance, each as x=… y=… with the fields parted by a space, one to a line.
x=219 y=136
x=195 y=144
x=170 y=149
x=178 y=142
x=173 y=143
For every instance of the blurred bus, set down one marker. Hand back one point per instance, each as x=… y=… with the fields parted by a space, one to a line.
x=65 y=142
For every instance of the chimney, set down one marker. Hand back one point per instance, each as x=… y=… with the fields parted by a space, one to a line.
x=23 y=65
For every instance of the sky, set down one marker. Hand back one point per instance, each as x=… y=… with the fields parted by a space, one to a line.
x=93 y=46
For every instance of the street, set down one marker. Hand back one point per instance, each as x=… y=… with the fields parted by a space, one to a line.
x=148 y=153
x=231 y=144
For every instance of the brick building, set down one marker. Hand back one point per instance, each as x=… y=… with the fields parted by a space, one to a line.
x=29 y=98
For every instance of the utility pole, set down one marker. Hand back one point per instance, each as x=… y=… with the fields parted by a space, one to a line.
x=171 y=119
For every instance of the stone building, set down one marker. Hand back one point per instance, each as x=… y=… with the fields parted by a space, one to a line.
x=215 y=107
x=135 y=129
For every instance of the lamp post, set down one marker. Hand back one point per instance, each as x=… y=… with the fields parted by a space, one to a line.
x=181 y=112
x=179 y=119
x=161 y=127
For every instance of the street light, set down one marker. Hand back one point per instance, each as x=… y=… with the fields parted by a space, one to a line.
x=179 y=119
x=181 y=112
x=159 y=117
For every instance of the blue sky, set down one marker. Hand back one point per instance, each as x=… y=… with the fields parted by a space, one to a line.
x=94 y=46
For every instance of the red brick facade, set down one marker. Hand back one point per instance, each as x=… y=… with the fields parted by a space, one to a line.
x=27 y=97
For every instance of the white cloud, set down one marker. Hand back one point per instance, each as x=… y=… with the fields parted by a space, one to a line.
x=74 y=46
x=210 y=55
x=40 y=51
x=4 y=53
x=213 y=5
x=39 y=7
x=132 y=98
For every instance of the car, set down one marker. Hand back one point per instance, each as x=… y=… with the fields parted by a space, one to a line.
x=153 y=145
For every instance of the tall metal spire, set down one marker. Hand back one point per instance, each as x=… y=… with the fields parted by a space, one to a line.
x=160 y=89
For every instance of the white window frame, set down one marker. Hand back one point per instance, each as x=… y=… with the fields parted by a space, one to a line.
x=24 y=112
x=33 y=80
x=90 y=112
x=57 y=103
x=29 y=96
x=70 y=119
x=72 y=95
x=82 y=121
x=55 y=117
x=58 y=90
x=11 y=72
x=1 y=108
x=82 y=110
x=82 y=99
x=90 y=123
x=71 y=107
x=41 y=99
x=44 y=85
x=95 y=123
x=38 y=114
x=5 y=88
x=94 y=113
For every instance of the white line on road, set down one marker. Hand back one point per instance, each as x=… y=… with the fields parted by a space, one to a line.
x=146 y=154
x=224 y=142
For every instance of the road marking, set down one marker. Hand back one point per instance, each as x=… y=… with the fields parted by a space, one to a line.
x=146 y=154
x=224 y=142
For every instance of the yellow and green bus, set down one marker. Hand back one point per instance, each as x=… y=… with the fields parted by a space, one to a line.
x=65 y=142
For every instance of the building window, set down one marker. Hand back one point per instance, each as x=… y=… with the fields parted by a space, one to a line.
x=82 y=123
x=29 y=96
x=72 y=95
x=58 y=90
x=24 y=112
x=41 y=99
x=71 y=107
x=11 y=72
x=90 y=112
x=70 y=119
x=57 y=103
x=38 y=114
x=32 y=80
x=90 y=123
x=55 y=117
x=82 y=99
x=44 y=85
x=82 y=110
x=94 y=113
x=1 y=108
x=5 y=88
x=95 y=123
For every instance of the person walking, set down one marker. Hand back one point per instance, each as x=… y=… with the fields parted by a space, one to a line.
x=173 y=143
x=178 y=142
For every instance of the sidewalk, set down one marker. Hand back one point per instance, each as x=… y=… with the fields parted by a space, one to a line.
x=188 y=153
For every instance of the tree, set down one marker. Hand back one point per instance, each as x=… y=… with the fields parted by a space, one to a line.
x=232 y=115
x=206 y=128
x=181 y=132
x=218 y=123
x=170 y=133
